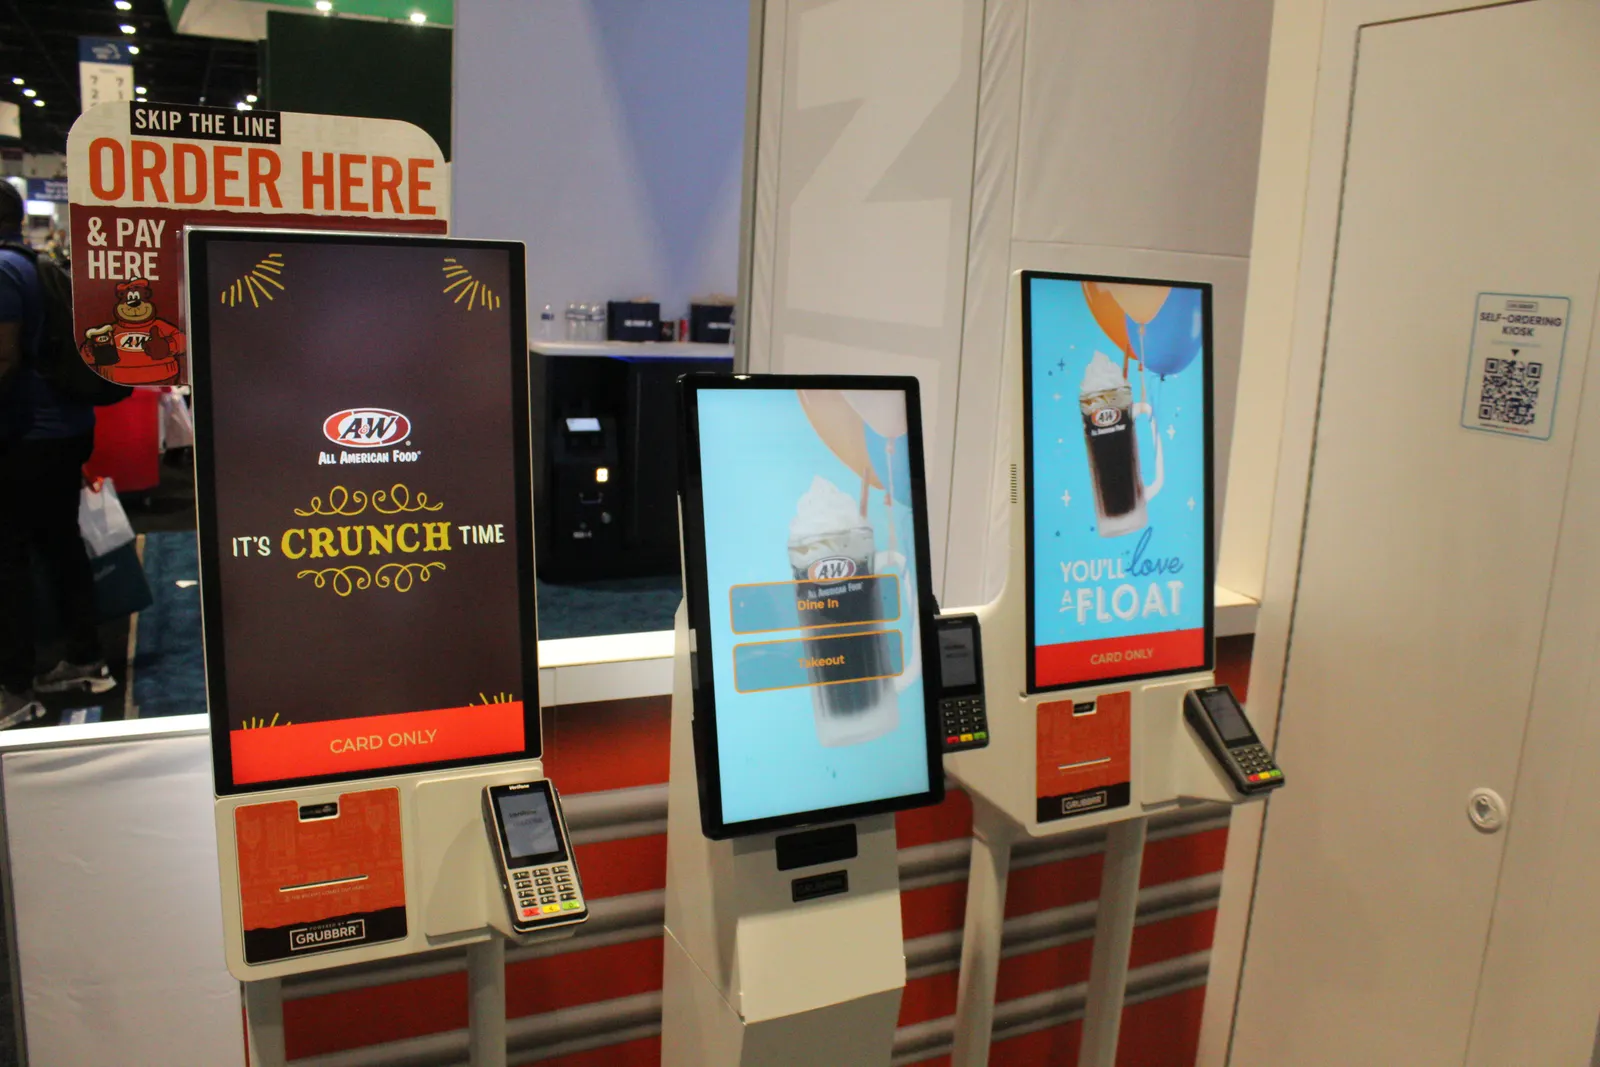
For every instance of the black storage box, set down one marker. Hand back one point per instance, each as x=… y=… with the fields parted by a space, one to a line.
x=711 y=323
x=627 y=320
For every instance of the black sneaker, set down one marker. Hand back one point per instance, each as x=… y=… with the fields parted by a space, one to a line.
x=83 y=677
x=17 y=709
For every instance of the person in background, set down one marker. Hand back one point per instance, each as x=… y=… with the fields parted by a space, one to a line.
x=45 y=440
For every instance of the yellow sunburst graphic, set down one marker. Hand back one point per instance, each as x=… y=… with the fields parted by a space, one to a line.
x=498 y=698
x=266 y=272
x=256 y=723
x=461 y=279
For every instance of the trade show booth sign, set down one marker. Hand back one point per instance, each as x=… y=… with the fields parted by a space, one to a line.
x=362 y=465
x=140 y=172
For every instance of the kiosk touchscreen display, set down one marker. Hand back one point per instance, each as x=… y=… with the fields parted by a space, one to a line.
x=808 y=592
x=362 y=459
x=1117 y=408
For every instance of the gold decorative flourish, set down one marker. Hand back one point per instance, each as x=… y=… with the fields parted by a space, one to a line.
x=342 y=501
x=498 y=698
x=400 y=576
x=397 y=576
x=400 y=496
x=345 y=580
x=475 y=292
x=339 y=498
x=255 y=281
x=256 y=723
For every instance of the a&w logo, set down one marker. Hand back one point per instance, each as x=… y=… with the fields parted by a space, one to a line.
x=1107 y=416
x=366 y=427
x=831 y=569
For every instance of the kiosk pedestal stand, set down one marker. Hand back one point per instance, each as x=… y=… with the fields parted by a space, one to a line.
x=751 y=979
x=486 y=1011
x=1104 y=626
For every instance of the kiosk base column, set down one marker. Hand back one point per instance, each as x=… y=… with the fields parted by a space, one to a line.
x=486 y=1002
x=992 y=836
x=263 y=1023
x=1113 y=937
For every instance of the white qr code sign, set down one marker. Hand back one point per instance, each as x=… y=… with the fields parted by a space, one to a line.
x=1514 y=371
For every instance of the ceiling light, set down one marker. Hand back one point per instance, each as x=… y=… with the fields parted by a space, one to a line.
x=16 y=81
x=133 y=49
x=250 y=98
x=124 y=5
x=30 y=92
x=242 y=106
x=324 y=6
x=139 y=89
x=38 y=103
x=128 y=27
x=418 y=17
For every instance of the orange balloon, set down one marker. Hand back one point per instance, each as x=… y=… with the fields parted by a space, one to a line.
x=1109 y=314
x=841 y=428
x=1141 y=302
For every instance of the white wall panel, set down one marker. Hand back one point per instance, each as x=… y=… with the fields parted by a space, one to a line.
x=864 y=171
x=1113 y=136
x=608 y=135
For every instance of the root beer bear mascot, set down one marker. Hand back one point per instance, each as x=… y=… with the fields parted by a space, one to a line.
x=138 y=348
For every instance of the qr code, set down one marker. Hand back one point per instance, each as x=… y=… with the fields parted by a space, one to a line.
x=1510 y=391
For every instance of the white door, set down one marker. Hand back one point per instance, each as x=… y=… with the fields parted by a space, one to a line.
x=1448 y=584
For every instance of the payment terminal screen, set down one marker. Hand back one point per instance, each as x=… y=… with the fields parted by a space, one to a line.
x=810 y=559
x=530 y=830
x=1119 y=496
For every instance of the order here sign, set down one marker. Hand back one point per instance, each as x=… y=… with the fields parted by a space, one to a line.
x=140 y=172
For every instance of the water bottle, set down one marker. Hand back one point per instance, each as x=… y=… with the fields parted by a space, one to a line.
x=574 y=326
x=597 y=319
x=547 y=324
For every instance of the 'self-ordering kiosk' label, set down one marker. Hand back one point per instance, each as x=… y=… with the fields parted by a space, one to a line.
x=362 y=460
x=1118 y=438
x=806 y=576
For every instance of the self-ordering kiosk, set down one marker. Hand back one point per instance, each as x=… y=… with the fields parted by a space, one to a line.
x=805 y=713
x=367 y=581
x=1104 y=626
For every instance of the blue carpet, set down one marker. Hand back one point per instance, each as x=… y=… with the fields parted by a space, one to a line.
x=618 y=606
x=169 y=672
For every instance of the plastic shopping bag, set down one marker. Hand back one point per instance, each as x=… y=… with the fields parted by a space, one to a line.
x=177 y=423
x=101 y=520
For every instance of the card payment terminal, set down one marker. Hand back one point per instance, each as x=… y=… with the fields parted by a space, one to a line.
x=962 y=716
x=537 y=871
x=1221 y=722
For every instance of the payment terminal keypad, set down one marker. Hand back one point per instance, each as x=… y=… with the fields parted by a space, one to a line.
x=546 y=892
x=1257 y=764
x=966 y=724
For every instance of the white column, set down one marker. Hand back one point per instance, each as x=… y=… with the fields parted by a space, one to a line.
x=992 y=835
x=263 y=1023
x=486 y=1002
x=1113 y=936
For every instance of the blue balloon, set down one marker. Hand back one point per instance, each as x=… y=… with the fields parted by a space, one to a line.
x=1174 y=337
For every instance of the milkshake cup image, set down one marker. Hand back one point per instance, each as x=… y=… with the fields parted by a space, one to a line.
x=831 y=549
x=1106 y=401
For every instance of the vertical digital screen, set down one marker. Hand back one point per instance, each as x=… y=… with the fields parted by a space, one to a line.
x=364 y=508
x=530 y=828
x=810 y=560
x=1117 y=394
x=1227 y=719
x=958 y=666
